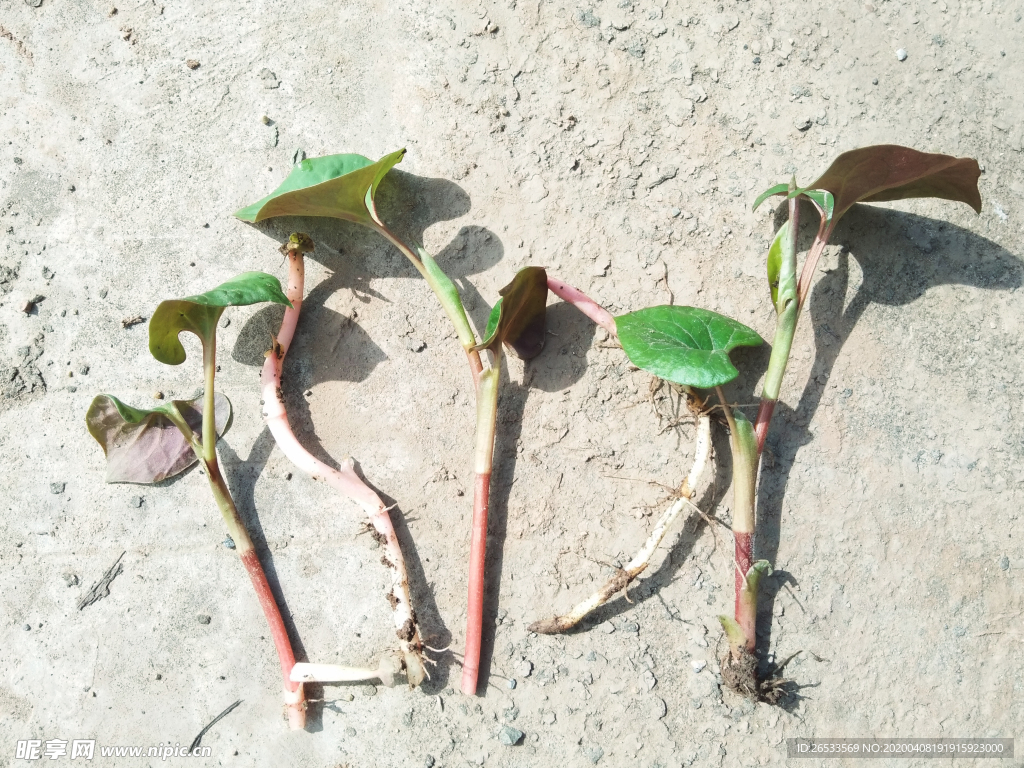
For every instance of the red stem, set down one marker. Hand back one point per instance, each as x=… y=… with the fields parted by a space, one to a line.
x=583 y=303
x=270 y=609
x=762 y=422
x=475 y=605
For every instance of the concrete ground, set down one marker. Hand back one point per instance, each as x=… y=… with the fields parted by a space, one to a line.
x=620 y=145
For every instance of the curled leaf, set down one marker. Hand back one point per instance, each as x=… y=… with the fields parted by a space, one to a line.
x=335 y=186
x=145 y=446
x=517 y=318
x=890 y=172
x=778 y=189
x=199 y=314
x=685 y=345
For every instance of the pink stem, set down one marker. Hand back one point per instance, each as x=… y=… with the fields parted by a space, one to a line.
x=583 y=303
x=344 y=479
x=475 y=604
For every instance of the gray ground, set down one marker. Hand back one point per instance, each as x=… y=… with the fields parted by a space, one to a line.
x=621 y=146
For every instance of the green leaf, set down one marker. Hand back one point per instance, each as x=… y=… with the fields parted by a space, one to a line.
x=889 y=172
x=684 y=345
x=199 y=314
x=145 y=446
x=493 y=318
x=734 y=634
x=517 y=318
x=782 y=269
x=336 y=186
x=824 y=199
x=757 y=571
x=775 y=262
x=778 y=189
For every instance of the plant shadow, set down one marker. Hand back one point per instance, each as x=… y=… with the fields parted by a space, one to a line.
x=901 y=255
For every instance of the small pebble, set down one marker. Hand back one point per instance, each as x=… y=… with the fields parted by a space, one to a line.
x=229 y=542
x=429 y=761
x=510 y=736
x=525 y=668
x=416 y=345
x=136 y=501
x=47 y=274
x=202 y=618
x=225 y=322
x=158 y=395
x=350 y=731
x=83 y=369
x=370 y=690
x=103 y=293
x=71 y=579
x=901 y=55
x=192 y=64
x=699 y=664
x=874 y=81
x=1004 y=563
x=803 y=124
x=71 y=187
x=34 y=3
x=512 y=682
x=27 y=627
x=659 y=708
x=594 y=753
x=159 y=676
x=57 y=488
x=347 y=697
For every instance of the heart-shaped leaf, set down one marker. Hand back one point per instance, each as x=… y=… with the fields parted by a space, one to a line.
x=336 y=186
x=199 y=314
x=890 y=172
x=685 y=345
x=145 y=446
x=517 y=318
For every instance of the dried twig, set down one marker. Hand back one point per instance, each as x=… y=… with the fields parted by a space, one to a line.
x=195 y=742
x=101 y=588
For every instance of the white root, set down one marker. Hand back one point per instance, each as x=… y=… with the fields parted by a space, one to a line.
x=390 y=667
x=624 y=576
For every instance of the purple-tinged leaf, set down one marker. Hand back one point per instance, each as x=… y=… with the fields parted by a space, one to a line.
x=144 y=446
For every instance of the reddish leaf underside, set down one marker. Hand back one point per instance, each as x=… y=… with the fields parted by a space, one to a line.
x=889 y=172
x=145 y=446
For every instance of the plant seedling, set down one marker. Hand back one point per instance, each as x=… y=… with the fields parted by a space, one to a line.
x=870 y=174
x=343 y=187
x=410 y=657
x=517 y=321
x=147 y=446
x=688 y=347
